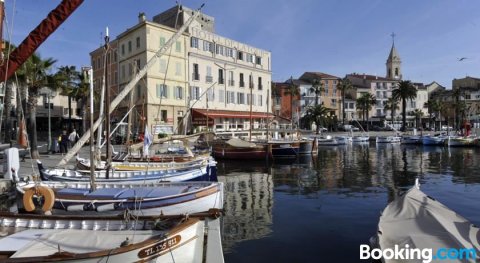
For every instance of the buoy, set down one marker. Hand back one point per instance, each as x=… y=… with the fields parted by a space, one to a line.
x=46 y=192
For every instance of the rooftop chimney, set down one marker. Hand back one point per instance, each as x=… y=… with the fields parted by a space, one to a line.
x=141 y=17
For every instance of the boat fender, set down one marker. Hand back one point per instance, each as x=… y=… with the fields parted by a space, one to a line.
x=107 y=207
x=75 y=208
x=46 y=192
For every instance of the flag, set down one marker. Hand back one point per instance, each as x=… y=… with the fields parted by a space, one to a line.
x=147 y=141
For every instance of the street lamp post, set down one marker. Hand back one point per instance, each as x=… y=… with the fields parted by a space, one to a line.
x=49 y=94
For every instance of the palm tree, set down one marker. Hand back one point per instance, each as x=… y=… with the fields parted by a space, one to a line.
x=68 y=77
x=344 y=85
x=392 y=106
x=439 y=108
x=34 y=74
x=317 y=88
x=8 y=104
x=418 y=114
x=292 y=91
x=83 y=95
x=430 y=105
x=365 y=104
x=316 y=114
x=404 y=91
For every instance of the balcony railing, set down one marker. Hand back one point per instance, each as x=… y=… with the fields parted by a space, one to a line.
x=231 y=82
x=221 y=81
x=196 y=76
x=209 y=79
x=260 y=86
x=242 y=84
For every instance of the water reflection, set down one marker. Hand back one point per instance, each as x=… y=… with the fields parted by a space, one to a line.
x=343 y=185
x=248 y=202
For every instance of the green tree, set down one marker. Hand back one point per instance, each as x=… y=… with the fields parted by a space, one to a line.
x=69 y=80
x=418 y=114
x=365 y=104
x=316 y=114
x=293 y=91
x=404 y=91
x=35 y=74
x=8 y=99
x=392 y=106
x=317 y=88
x=431 y=106
x=344 y=85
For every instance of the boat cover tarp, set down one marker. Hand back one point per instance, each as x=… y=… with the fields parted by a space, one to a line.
x=235 y=142
x=46 y=243
x=422 y=222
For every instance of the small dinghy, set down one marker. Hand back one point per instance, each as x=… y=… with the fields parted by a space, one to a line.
x=415 y=220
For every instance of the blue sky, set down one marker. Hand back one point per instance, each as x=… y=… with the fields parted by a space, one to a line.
x=335 y=37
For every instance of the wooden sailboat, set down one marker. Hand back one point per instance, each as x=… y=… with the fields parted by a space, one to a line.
x=33 y=238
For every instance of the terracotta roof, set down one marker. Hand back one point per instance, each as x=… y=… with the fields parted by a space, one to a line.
x=369 y=77
x=309 y=76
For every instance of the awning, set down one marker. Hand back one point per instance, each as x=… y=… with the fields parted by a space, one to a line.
x=199 y=116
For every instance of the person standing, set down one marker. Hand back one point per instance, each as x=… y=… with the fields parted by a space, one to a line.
x=73 y=137
x=63 y=141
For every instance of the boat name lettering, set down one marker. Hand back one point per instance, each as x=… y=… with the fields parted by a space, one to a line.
x=159 y=247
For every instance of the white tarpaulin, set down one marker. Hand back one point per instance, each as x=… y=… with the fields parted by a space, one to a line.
x=422 y=222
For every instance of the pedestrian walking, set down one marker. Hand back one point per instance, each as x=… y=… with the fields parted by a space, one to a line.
x=63 y=141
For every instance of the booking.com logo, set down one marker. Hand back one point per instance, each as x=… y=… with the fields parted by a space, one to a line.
x=425 y=254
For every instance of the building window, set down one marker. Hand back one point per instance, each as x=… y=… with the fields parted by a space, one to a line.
x=240 y=98
x=164 y=116
x=467 y=96
x=138 y=42
x=178 y=69
x=208 y=77
x=178 y=92
x=163 y=66
x=231 y=82
x=207 y=46
x=258 y=60
x=242 y=82
x=251 y=99
x=123 y=71
x=221 y=80
x=178 y=46
x=115 y=56
x=211 y=94
x=260 y=100
x=194 y=93
x=129 y=46
x=195 y=74
x=219 y=49
x=162 y=91
x=249 y=58
x=130 y=69
x=221 y=95
x=194 y=42
x=379 y=112
x=250 y=81
x=229 y=52
x=396 y=72
x=334 y=102
x=162 y=41
x=139 y=91
x=123 y=49
x=231 y=97
x=240 y=55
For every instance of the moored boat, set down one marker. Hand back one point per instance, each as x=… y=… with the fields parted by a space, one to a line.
x=388 y=139
x=433 y=140
x=327 y=141
x=417 y=221
x=182 y=239
x=308 y=146
x=342 y=140
x=113 y=198
x=360 y=138
x=411 y=139
x=284 y=149
x=201 y=172
x=240 y=150
x=462 y=141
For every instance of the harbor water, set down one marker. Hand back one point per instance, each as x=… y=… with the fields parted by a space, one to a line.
x=322 y=208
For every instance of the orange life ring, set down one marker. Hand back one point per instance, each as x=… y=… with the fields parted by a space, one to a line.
x=44 y=191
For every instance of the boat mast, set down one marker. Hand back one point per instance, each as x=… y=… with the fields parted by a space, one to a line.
x=131 y=85
x=93 y=186
x=107 y=107
x=250 y=84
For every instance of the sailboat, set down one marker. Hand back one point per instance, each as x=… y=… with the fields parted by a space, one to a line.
x=182 y=238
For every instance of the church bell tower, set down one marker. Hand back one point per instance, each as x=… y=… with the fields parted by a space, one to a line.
x=394 y=63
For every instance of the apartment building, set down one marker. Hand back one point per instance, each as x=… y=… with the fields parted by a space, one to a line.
x=229 y=81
